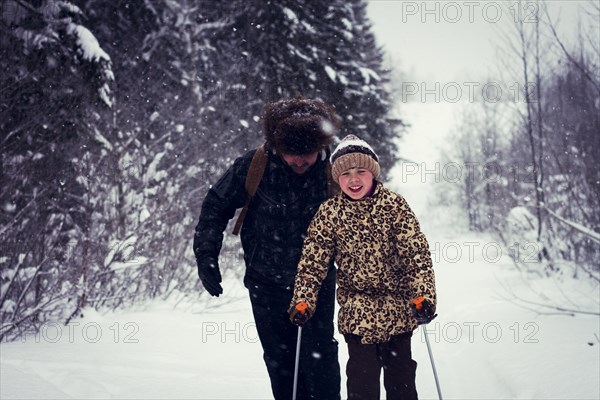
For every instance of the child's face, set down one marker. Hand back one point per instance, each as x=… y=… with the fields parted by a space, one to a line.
x=356 y=182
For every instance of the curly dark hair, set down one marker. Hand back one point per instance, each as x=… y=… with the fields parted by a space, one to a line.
x=299 y=126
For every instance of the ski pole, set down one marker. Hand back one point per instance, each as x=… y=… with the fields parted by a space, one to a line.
x=301 y=307
x=419 y=305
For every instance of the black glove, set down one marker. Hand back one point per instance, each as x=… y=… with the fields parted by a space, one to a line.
x=299 y=315
x=423 y=310
x=208 y=271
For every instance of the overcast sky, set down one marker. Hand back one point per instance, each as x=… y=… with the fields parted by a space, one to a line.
x=450 y=42
x=454 y=40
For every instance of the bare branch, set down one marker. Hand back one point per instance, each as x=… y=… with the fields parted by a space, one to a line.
x=583 y=70
x=545 y=307
x=591 y=234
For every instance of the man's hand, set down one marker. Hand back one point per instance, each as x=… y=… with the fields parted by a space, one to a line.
x=208 y=271
x=423 y=310
x=299 y=314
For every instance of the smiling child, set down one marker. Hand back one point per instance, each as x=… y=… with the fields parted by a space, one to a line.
x=383 y=263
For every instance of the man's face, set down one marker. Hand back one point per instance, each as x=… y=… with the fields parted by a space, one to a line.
x=300 y=163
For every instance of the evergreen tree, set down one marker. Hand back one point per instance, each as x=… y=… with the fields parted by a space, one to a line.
x=315 y=49
x=355 y=80
x=55 y=79
x=107 y=158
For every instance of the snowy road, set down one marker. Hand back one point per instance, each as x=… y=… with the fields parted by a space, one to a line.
x=485 y=346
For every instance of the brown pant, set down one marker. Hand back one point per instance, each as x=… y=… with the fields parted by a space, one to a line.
x=366 y=361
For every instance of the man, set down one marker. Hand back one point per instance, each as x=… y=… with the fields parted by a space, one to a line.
x=298 y=133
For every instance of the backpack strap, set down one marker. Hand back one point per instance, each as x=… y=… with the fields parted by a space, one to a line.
x=255 y=174
x=253 y=178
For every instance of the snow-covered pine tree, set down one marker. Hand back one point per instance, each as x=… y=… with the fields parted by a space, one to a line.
x=355 y=80
x=54 y=77
x=319 y=49
x=157 y=169
x=107 y=188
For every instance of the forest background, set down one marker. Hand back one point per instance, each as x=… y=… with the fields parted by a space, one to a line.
x=117 y=116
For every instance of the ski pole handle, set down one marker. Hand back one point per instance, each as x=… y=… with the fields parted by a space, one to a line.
x=418 y=302
x=302 y=307
x=423 y=310
x=300 y=313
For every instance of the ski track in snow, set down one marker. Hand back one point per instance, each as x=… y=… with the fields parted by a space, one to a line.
x=485 y=346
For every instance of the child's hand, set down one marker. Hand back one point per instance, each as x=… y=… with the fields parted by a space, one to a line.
x=423 y=310
x=299 y=314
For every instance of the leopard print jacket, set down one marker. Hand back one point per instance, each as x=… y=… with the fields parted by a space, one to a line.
x=383 y=262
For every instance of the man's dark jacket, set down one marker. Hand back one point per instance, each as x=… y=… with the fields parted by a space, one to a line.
x=275 y=226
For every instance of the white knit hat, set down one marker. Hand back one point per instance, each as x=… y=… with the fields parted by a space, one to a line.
x=353 y=152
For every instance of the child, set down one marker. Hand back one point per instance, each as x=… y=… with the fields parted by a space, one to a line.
x=383 y=263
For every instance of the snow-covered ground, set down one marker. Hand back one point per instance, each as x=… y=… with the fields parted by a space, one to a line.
x=485 y=346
